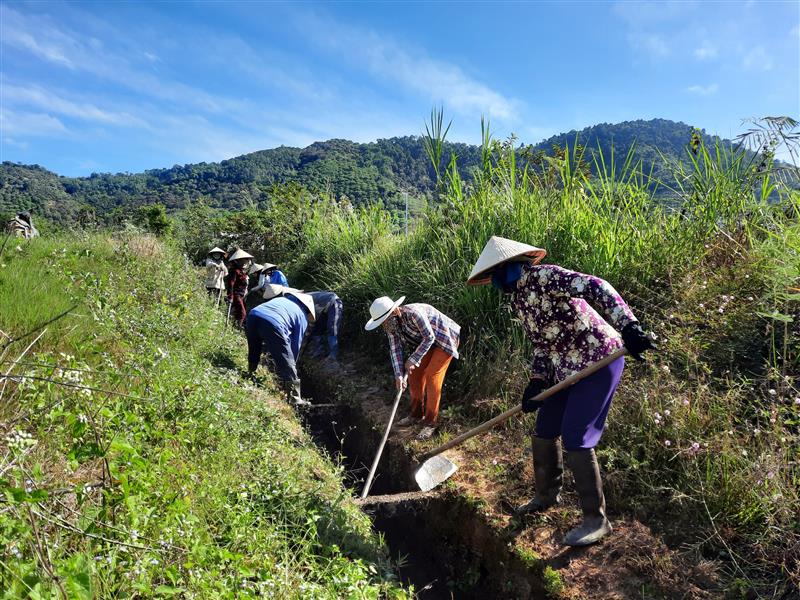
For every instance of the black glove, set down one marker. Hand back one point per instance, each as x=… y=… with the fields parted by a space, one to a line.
x=534 y=388
x=636 y=340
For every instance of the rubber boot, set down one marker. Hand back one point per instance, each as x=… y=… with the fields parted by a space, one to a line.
x=548 y=471
x=595 y=525
x=293 y=394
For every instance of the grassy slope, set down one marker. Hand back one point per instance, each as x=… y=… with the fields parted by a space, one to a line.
x=703 y=440
x=192 y=483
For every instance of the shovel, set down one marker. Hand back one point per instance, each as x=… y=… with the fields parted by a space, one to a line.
x=375 y=462
x=436 y=469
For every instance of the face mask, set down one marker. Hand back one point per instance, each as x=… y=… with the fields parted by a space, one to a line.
x=505 y=276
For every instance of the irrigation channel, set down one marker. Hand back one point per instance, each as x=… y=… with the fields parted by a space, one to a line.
x=440 y=541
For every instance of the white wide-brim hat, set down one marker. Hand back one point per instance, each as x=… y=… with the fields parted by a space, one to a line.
x=239 y=255
x=273 y=290
x=305 y=299
x=254 y=268
x=497 y=251
x=216 y=250
x=380 y=311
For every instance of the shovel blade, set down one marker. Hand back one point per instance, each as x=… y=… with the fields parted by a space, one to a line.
x=434 y=471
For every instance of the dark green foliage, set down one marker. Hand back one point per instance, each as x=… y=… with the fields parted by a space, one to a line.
x=154 y=219
x=652 y=139
x=378 y=172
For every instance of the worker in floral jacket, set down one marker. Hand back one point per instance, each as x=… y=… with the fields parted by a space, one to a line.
x=236 y=284
x=573 y=320
x=434 y=338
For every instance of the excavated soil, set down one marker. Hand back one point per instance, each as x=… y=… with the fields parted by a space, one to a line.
x=461 y=540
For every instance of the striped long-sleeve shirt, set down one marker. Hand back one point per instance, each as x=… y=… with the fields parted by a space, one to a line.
x=420 y=326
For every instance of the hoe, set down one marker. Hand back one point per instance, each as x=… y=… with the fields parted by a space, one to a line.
x=436 y=469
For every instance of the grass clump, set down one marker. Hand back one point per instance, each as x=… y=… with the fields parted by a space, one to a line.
x=134 y=459
x=703 y=439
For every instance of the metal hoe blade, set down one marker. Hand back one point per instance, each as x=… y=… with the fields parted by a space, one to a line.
x=434 y=471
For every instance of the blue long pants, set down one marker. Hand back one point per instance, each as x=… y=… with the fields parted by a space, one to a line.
x=264 y=334
x=578 y=414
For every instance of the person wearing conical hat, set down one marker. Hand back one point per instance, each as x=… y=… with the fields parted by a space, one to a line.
x=278 y=327
x=216 y=270
x=236 y=285
x=255 y=275
x=274 y=275
x=572 y=320
x=431 y=339
x=268 y=274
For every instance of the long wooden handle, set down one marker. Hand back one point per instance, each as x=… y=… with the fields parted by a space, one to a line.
x=512 y=411
x=375 y=462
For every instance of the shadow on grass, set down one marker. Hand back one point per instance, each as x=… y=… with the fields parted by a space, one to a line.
x=221 y=359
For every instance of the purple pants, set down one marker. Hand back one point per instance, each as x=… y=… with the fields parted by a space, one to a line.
x=578 y=414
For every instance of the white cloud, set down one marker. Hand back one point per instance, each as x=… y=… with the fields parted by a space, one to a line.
x=49 y=44
x=757 y=59
x=31 y=96
x=703 y=90
x=27 y=123
x=651 y=43
x=706 y=51
x=389 y=60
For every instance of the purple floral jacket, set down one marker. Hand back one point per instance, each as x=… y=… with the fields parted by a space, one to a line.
x=559 y=310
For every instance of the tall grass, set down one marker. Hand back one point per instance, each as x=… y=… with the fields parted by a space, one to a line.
x=710 y=270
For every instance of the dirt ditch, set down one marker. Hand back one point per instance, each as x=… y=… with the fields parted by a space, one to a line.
x=461 y=540
x=441 y=541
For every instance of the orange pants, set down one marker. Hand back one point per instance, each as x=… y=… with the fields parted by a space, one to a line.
x=425 y=384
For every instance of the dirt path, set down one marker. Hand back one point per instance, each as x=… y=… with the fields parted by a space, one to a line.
x=466 y=526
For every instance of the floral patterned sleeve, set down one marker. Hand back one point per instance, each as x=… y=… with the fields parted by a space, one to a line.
x=597 y=292
x=540 y=365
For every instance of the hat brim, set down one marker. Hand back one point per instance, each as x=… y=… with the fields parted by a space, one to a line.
x=375 y=323
x=485 y=276
x=275 y=290
x=306 y=300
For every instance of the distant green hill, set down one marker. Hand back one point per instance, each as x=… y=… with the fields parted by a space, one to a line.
x=373 y=172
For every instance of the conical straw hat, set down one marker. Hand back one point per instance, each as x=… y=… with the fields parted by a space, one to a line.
x=271 y=290
x=254 y=268
x=499 y=250
x=217 y=250
x=240 y=254
x=306 y=301
x=267 y=266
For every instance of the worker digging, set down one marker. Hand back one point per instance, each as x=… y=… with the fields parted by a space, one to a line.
x=236 y=282
x=431 y=340
x=580 y=329
x=559 y=311
x=278 y=328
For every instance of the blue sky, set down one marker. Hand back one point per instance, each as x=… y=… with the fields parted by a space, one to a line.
x=96 y=87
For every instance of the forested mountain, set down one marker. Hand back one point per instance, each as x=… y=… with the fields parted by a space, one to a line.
x=372 y=172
